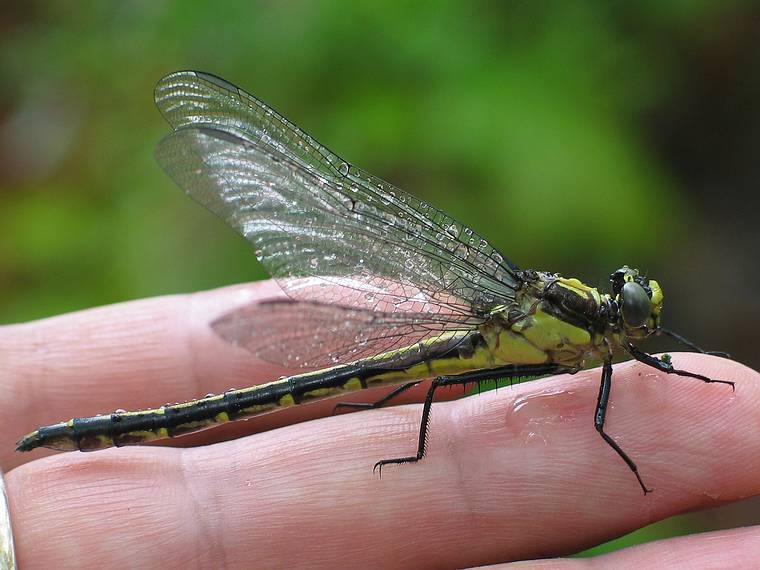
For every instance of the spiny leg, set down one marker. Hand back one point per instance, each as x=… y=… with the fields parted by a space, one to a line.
x=380 y=403
x=604 y=396
x=601 y=412
x=667 y=367
x=511 y=371
x=686 y=342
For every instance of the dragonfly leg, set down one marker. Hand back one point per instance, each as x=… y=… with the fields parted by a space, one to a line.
x=664 y=365
x=511 y=371
x=601 y=411
x=686 y=342
x=380 y=403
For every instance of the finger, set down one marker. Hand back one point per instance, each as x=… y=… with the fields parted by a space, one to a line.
x=737 y=549
x=133 y=355
x=513 y=474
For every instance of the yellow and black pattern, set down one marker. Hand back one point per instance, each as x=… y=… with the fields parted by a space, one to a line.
x=525 y=333
x=133 y=428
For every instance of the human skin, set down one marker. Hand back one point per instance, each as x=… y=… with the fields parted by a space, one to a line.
x=512 y=474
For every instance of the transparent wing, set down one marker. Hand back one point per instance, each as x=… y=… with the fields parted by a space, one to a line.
x=197 y=98
x=311 y=214
x=314 y=335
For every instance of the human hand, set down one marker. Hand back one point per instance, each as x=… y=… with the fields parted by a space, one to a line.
x=511 y=474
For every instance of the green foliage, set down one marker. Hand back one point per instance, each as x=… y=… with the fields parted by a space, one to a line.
x=517 y=110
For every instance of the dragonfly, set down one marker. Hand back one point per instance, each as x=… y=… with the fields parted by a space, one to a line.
x=383 y=289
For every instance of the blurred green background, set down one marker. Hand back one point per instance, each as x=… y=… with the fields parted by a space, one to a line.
x=575 y=136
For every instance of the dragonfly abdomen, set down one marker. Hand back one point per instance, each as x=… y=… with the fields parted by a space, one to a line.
x=133 y=428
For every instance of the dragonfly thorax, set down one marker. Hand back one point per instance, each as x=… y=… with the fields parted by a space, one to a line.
x=563 y=320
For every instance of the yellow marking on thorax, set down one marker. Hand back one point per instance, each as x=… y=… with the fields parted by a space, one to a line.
x=515 y=348
x=540 y=337
x=579 y=286
x=547 y=332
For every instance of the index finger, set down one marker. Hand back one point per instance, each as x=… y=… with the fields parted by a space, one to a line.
x=510 y=474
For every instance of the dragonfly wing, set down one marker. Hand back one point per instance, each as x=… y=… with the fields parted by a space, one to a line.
x=197 y=98
x=315 y=335
x=309 y=213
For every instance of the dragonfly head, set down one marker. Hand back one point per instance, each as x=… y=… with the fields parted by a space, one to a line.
x=639 y=300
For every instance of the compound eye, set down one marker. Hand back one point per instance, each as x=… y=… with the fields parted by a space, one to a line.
x=636 y=305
